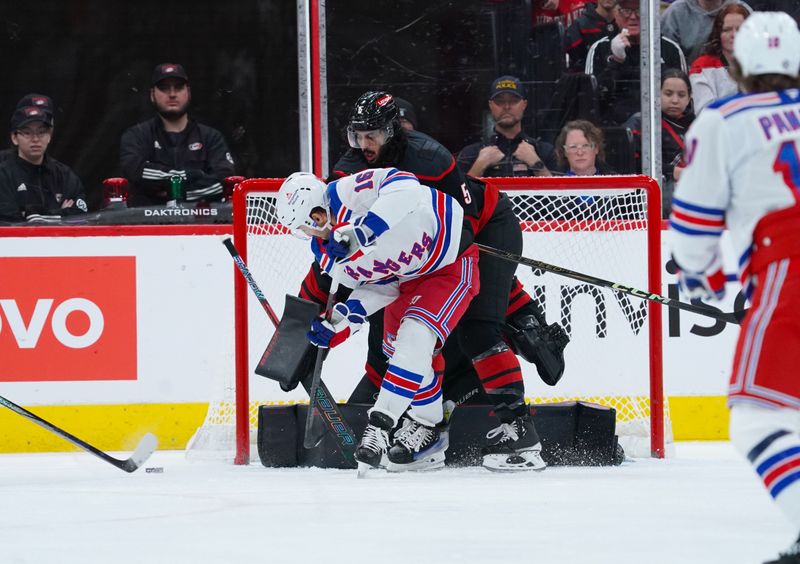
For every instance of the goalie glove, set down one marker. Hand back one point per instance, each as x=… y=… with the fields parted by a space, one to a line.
x=347 y=239
x=347 y=319
x=708 y=285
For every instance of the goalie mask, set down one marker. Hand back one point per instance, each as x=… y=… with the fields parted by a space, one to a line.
x=299 y=195
x=374 y=116
x=768 y=43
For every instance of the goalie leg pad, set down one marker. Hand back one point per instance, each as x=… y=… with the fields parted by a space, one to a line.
x=289 y=356
x=541 y=344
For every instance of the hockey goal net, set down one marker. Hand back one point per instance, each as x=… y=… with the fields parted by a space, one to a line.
x=606 y=227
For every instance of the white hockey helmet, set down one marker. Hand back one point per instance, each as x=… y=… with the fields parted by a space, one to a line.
x=299 y=194
x=768 y=43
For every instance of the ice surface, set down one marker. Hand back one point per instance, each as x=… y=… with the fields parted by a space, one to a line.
x=702 y=506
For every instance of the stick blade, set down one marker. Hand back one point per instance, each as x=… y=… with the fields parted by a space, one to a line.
x=144 y=449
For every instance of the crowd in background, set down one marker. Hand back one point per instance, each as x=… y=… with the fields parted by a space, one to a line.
x=575 y=113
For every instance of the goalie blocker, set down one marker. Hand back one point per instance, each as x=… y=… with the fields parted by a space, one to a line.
x=289 y=356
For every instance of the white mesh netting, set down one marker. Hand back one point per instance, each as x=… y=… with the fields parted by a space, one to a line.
x=599 y=231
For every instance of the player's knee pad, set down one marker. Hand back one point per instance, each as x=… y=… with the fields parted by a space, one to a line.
x=414 y=346
x=769 y=439
x=755 y=430
x=537 y=342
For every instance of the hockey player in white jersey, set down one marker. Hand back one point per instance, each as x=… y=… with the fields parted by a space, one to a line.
x=403 y=247
x=743 y=174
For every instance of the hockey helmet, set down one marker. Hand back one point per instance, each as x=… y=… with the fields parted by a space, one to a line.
x=298 y=196
x=373 y=111
x=768 y=43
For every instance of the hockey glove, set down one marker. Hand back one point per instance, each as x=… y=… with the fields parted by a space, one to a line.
x=346 y=320
x=708 y=285
x=347 y=239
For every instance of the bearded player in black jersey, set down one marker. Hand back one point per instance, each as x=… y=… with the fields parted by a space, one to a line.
x=502 y=316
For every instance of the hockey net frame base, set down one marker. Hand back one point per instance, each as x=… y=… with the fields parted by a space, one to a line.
x=587 y=212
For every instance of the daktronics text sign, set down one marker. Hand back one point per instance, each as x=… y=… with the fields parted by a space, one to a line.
x=67 y=318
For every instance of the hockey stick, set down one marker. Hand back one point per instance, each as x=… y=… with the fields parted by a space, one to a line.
x=309 y=441
x=346 y=438
x=143 y=450
x=733 y=317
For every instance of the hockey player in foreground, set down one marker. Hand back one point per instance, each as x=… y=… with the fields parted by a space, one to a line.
x=501 y=320
x=743 y=173
x=403 y=247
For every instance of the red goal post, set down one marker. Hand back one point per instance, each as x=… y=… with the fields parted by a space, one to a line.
x=604 y=226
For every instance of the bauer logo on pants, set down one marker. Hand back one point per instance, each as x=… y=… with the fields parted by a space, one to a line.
x=67 y=318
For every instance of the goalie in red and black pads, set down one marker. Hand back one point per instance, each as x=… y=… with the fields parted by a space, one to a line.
x=377 y=140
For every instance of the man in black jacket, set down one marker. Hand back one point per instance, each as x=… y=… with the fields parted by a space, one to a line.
x=616 y=63
x=172 y=144
x=595 y=22
x=509 y=151
x=33 y=186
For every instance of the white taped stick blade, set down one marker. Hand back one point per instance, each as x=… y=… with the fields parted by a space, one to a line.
x=144 y=449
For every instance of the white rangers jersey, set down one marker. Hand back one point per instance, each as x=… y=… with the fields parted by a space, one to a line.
x=743 y=162
x=418 y=231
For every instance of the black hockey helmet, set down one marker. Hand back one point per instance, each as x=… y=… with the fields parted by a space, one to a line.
x=373 y=110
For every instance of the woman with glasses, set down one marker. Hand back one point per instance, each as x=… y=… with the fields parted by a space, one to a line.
x=33 y=186
x=677 y=115
x=579 y=148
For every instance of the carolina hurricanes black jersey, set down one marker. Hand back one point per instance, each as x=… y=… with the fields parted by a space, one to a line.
x=428 y=160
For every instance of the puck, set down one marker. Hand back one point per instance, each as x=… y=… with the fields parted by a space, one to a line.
x=154 y=470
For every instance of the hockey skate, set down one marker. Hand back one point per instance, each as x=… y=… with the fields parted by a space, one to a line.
x=371 y=450
x=513 y=447
x=791 y=556
x=418 y=447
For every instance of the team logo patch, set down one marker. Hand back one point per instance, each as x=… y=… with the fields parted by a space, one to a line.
x=383 y=100
x=195 y=146
x=22 y=188
x=229 y=158
x=156 y=145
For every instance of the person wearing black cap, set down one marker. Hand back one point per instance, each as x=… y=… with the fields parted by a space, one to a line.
x=509 y=151
x=408 y=117
x=173 y=144
x=40 y=101
x=33 y=186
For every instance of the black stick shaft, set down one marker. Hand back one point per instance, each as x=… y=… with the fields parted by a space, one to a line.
x=143 y=450
x=663 y=300
x=309 y=440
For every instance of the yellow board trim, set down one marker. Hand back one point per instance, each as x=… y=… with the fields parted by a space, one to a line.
x=107 y=427
x=699 y=418
x=119 y=427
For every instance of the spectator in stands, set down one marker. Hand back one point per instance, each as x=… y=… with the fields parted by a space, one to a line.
x=509 y=151
x=595 y=22
x=33 y=186
x=676 y=117
x=616 y=64
x=709 y=72
x=563 y=11
x=580 y=149
x=688 y=23
x=408 y=117
x=173 y=144
x=33 y=100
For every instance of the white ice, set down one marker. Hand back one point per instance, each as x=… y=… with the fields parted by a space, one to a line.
x=702 y=506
